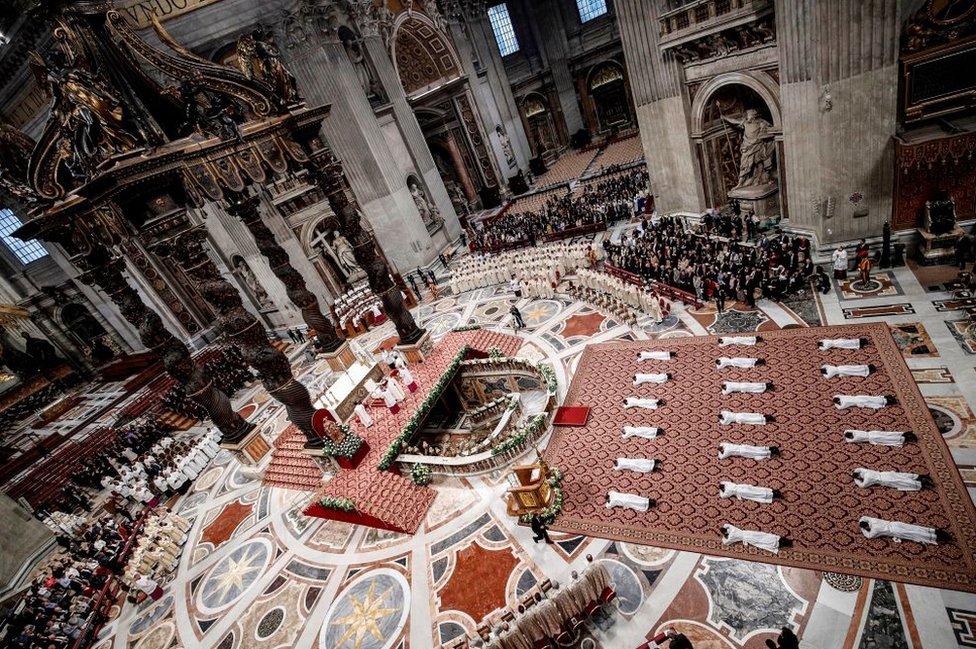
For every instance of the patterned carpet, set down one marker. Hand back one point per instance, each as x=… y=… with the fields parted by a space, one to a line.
x=820 y=505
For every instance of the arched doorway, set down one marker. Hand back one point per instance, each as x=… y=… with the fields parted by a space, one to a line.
x=608 y=90
x=736 y=126
x=541 y=128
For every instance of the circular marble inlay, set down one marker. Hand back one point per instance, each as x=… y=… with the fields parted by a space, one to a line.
x=646 y=555
x=157 y=612
x=369 y=614
x=207 y=479
x=270 y=623
x=872 y=286
x=222 y=458
x=233 y=575
x=159 y=637
x=843 y=583
x=676 y=334
x=947 y=423
x=538 y=311
x=630 y=595
x=666 y=324
x=443 y=323
x=192 y=501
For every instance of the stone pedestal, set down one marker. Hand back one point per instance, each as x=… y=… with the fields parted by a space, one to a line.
x=938 y=248
x=252 y=449
x=418 y=351
x=761 y=199
x=341 y=359
x=325 y=462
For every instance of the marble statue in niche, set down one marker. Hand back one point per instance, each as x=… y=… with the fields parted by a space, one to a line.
x=428 y=211
x=506 y=146
x=756 y=151
x=247 y=276
x=356 y=54
x=344 y=254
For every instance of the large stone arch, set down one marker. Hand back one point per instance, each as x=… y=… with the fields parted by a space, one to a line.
x=764 y=85
x=424 y=58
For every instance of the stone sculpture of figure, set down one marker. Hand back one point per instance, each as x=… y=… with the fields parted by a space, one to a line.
x=260 y=58
x=252 y=283
x=756 y=152
x=344 y=254
x=506 y=146
x=428 y=212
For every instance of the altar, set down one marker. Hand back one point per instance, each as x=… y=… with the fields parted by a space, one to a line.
x=349 y=388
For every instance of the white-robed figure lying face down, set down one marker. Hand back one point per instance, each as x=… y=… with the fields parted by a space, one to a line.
x=637 y=402
x=638 y=465
x=896 y=480
x=738 y=362
x=843 y=401
x=726 y=417
x=641 y=379
x=728 y=387
x=654 y=356
x=874 y=528
x=842 y=343
x=762 y=540
x=647 y=432
x=727 y=450
x=747 y=341
x=747 y=492
x=879 y=437
x=628 y=501
x=831 y=371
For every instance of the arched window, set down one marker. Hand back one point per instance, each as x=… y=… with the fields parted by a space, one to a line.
x=501 y=24
x=25 y=251
x=590 y=9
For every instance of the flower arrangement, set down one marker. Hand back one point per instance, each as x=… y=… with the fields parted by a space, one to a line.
x=420 y=475
x=495 y=354
x=513 y=402
x=422 y=410
x=347 y=448
x=549 y=376
x=470 y=327
x=550 y=513
x=340 y=504
x=535 y=424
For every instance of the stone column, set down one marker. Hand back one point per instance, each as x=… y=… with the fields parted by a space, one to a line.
x=246 y=209
x=242 y=329
x=326 y=171
x=175 y=356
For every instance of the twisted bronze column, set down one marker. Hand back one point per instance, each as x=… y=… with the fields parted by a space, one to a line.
x=175 y=356
x=328 y=175
x=246 y=209
x=243 y=329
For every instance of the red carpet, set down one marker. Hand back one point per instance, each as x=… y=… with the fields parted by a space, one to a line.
x=820 y=505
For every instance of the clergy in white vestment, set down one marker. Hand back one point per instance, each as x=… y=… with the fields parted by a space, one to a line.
x=831 y=371
x=843 y=401
x=638 y=465
x=647 y=432
x=394 y=386
x=363 y=415
x=637 y=402
x=740 y=363
x=755 y=388
x=757 y=419
x=408 y=379
x=895 y=479
x=739 y=340
x=727 y=450
x=654 y=356
x=628 y=501
x=762 y=540
x=746 y=492
x=873 y=528
x=390 y=401
x=641 y=379
x=878 y=437
x=841 y=343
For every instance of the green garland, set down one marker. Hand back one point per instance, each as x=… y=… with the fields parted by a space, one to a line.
x=549 y=514
x=340 y=504
x=347 y=448
x=495 y=354
x=549 y=376
x=422 y=411
x=420 y=475
x=471 y=327
x=526 y=430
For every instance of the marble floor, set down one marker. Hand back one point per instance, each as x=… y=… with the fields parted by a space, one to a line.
x=257 y=573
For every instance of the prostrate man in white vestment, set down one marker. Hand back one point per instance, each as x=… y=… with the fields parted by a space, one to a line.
x=748 y=341
x=638 y=465
x=842 y=401
x=727 y=450
x=641 y=379
x=896 y=480
x=726 y=418
x=738 y=363
x=831 y=371
x=747 y=492
x=842 y=343
x=647 y=432
x=637 y=402
x=762 y=540
x=874 y=528
x=879 y=437
x=728 y=387
x=654 y=356
x=628 y=501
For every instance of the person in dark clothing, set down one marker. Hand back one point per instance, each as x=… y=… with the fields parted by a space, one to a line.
x=443 y=260
x=517 y=316
x=720 y=300
x=678 y=640
x=539 y=528
x=464 y=238
x=786 y=640
x=963 y=247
